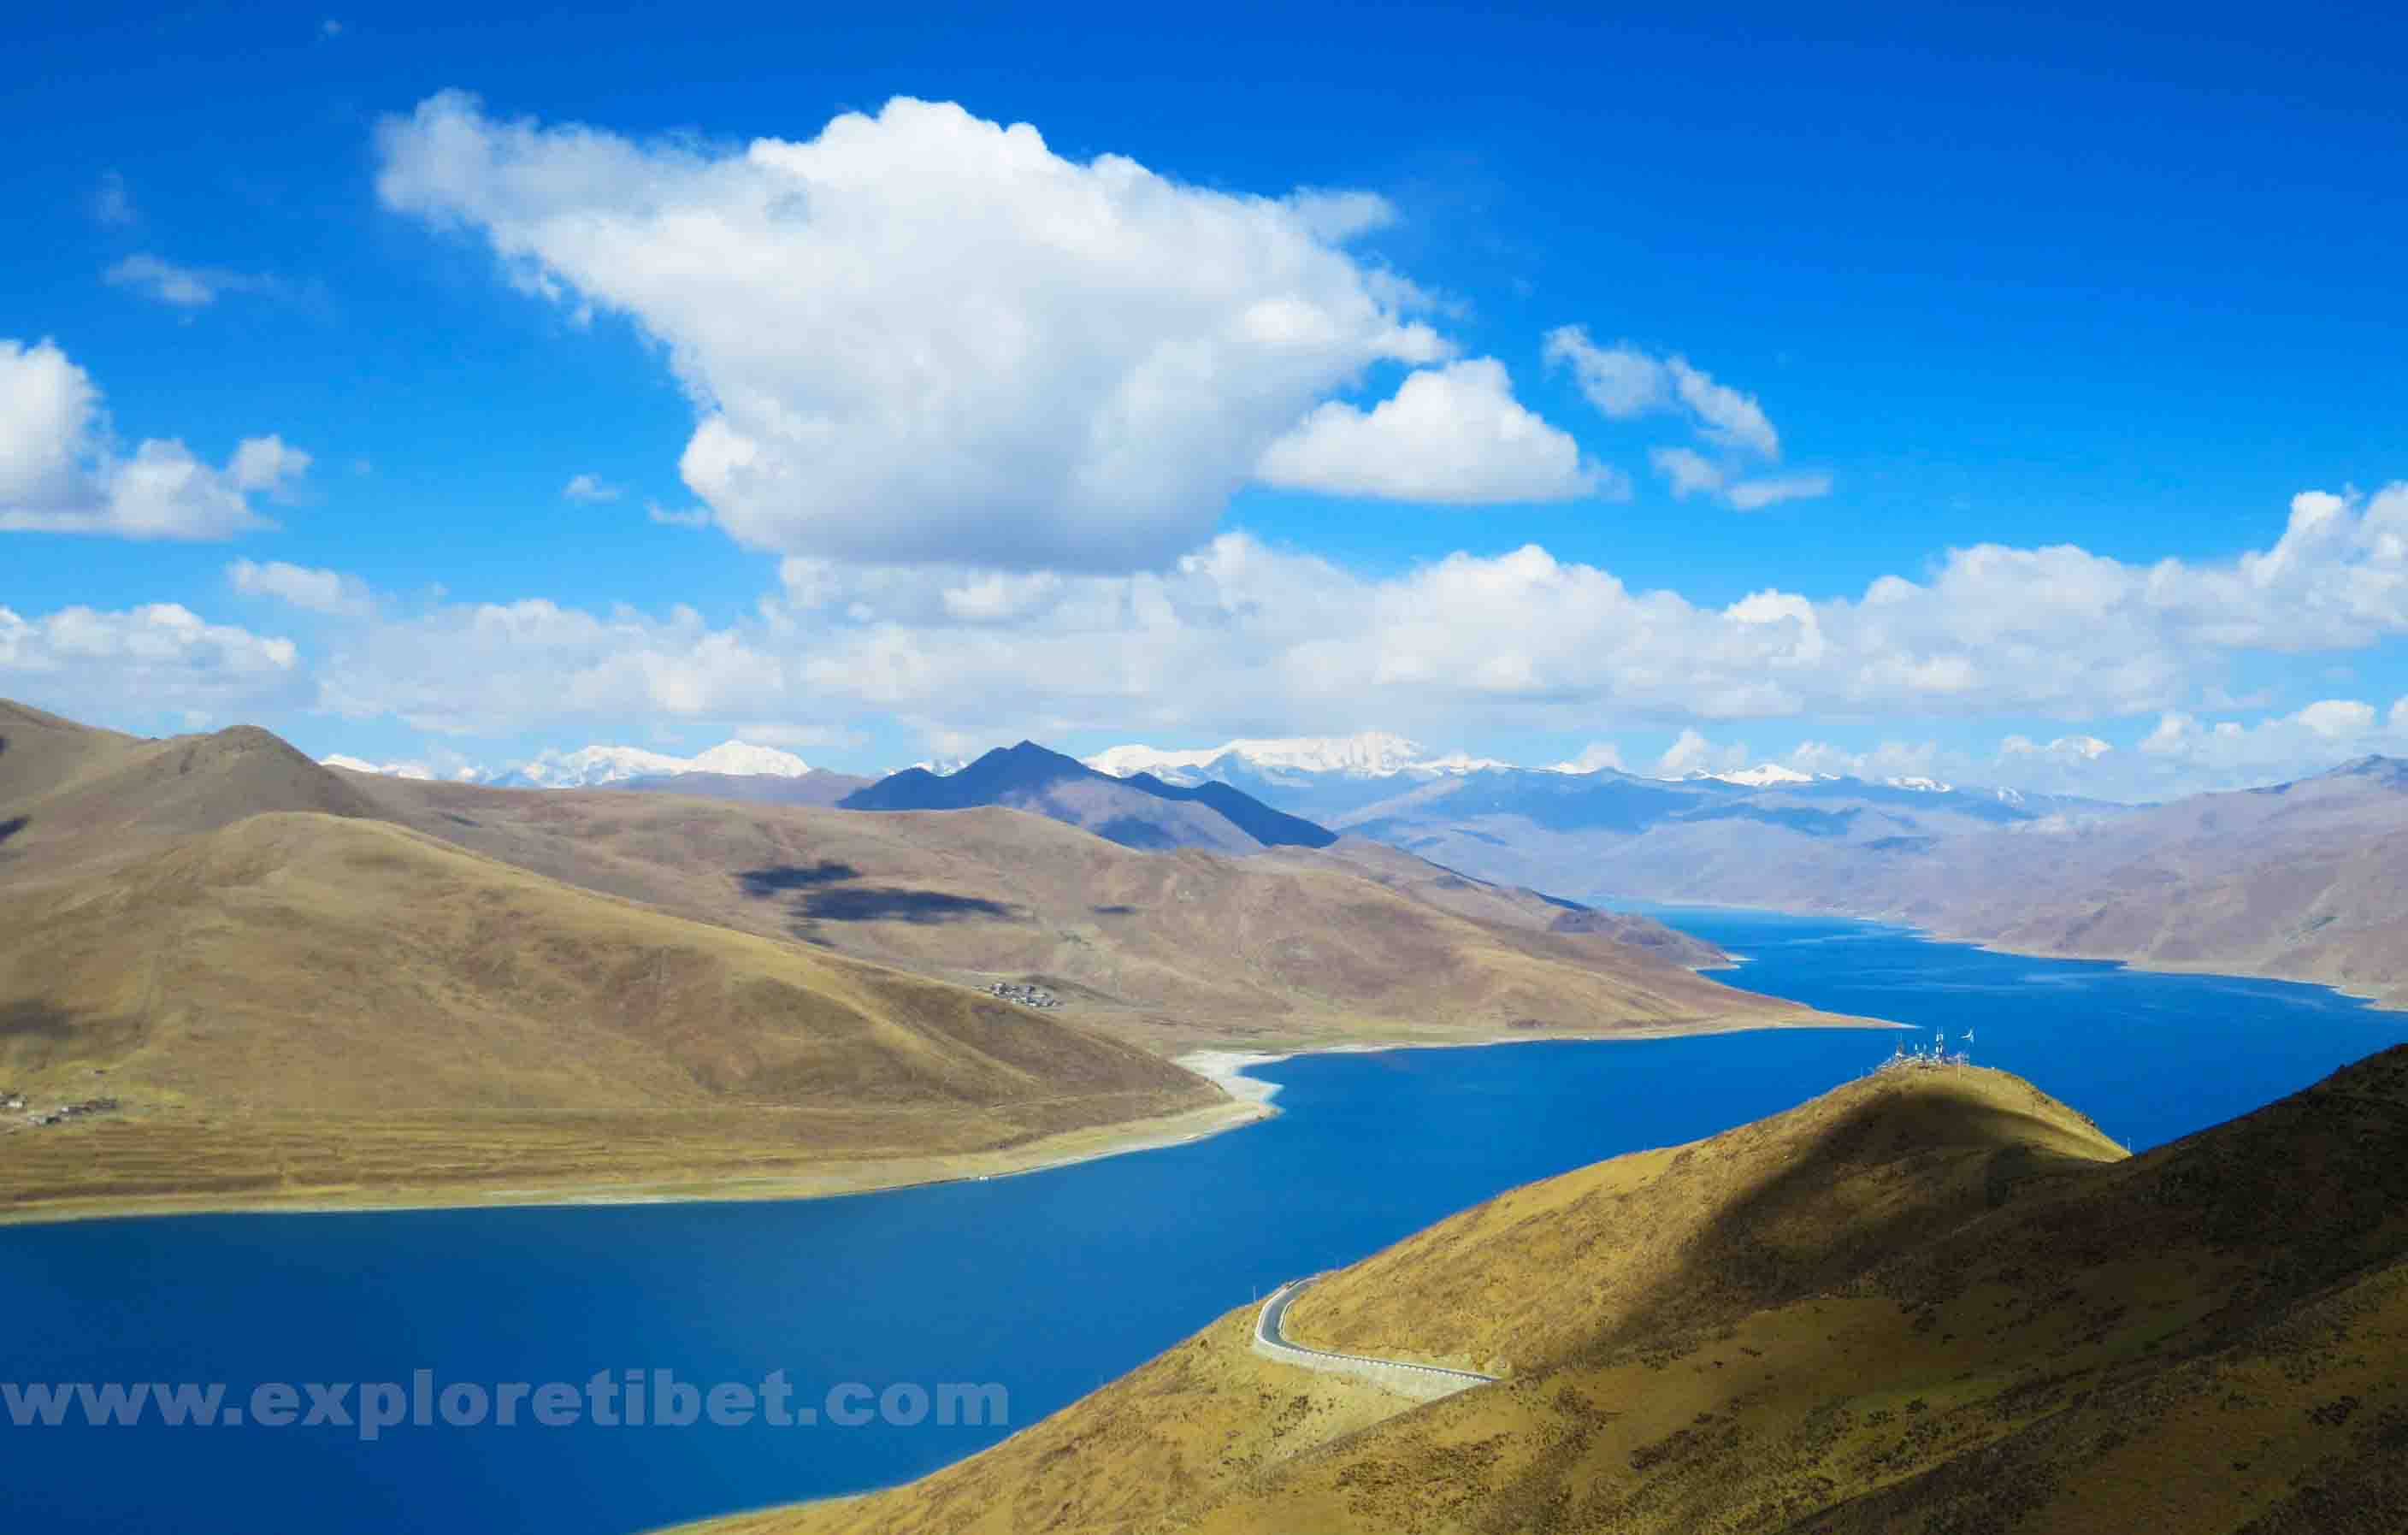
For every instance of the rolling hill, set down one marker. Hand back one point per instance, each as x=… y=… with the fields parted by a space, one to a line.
x=817 y=786
x=2303 y=880
x=2306 y=880
x=1610 y=833
x=1931 y=1300
x=1176 y=950
x=307 y=984
x=291 y=996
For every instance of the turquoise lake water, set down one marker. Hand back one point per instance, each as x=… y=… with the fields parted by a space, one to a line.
x=1048 y=1284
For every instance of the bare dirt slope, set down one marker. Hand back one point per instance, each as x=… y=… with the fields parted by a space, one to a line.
x=306 y=985
x=1925 y=1301
x=2305 y=881
x=290 y=997
x=1176 y=947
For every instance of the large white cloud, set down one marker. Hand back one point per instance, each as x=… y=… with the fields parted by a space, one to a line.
x=61 y=473
x=1452 y=434
x=141 y=660
x=501 y=668
x=1241 y=638
x=922 y=337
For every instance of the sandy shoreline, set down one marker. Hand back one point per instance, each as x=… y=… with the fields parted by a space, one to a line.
x=1249 y=1099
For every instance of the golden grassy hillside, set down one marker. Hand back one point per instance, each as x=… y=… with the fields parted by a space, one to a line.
x=293 y=999
x=1924 y=1303
x=302 y=986
x=73 y=792
x=1174 y=949
x=304 y=1006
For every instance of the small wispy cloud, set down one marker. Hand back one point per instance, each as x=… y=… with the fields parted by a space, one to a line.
x=328 y=591
x=1688 y=472
x=112 y=203
x=330 y=29
x=1623 y=381
x=1755 y=494
x=696 y=517
x=590 y=487
x=185 y=287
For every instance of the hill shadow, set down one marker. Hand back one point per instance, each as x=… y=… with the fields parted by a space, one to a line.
x=777 y=879
x=14 y=825
x=33 y=1020
x=886 y=903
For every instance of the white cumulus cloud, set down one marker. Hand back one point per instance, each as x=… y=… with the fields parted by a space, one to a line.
x=1239 y=638
x=1452 y=435
x=922 y=337
x=141 y=660
x=60 y=472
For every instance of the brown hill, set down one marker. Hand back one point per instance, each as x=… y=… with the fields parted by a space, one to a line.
x=1177 y=949
x=2306 y=881
x=287 y=997
x=1513 y=905
x=819 y=786
x=302 y=1007
x=1925 y=1301
x=63 y=785
x=302 y=984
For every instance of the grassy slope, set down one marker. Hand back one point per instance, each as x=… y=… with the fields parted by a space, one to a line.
x=1175 y=948
x=319 y=996
x=313 y=1003
x=1935 y=1302
x=308 y=985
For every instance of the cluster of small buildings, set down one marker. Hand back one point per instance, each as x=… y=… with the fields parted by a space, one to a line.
x=63 y=1112
x=1028 y=996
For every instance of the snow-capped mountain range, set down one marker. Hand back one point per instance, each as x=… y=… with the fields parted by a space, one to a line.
x=1336 y=769
x=1374 y=754
x=1762 y=776
x=590 y=765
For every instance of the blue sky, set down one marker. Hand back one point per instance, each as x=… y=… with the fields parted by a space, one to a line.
x=1979 y=278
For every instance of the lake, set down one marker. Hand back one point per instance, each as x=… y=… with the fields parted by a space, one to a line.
x=1049 y=1284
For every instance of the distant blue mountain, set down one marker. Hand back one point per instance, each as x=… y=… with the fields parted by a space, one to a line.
x=1034 y=778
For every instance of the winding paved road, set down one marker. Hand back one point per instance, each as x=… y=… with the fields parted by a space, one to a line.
x=1430 y=1381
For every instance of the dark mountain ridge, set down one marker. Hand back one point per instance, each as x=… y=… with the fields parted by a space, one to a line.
x=1034 y=778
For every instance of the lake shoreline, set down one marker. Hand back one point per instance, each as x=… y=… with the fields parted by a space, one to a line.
x=2229 y=970
x=1248 y=1100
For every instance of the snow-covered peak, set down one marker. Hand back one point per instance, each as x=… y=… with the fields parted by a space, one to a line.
x=383 y=769
x=745 y=760
x=1458 y=762
x=589 y=766
x=1764 y=775
x=1921 y=785
x=1373 y=753
x=942 y=766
